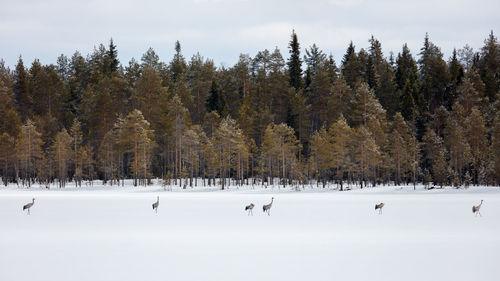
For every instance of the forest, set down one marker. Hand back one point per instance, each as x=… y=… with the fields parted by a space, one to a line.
x=371 y=119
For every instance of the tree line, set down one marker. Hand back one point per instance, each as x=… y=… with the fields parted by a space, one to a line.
x=369 y=120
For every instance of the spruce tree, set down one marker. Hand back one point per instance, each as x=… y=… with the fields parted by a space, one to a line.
x=489 y=66
x=294 y=63
x=22 y=98
x=351 y=66
x=215 y=101
x=112 y=57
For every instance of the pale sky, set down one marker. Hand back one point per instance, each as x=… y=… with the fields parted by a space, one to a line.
x=222 y=29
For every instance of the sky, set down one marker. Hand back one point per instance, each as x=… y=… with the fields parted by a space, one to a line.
x=223 y=29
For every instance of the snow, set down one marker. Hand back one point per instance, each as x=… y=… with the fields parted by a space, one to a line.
x=111 y=233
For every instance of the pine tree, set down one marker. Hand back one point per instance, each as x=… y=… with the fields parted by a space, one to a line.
x=339 y=100
x=475 y=133
x=298 y=116
x=200 y=74
x=7 y=157
x=278 y=88
x=10 y=121
x=149 y=95
x=468 y=96
x=28 y=151
x=321 y=154
x=318 y=88
x=366 y=154
x=495 y=148
x=61 y=154
x=341 y=135
x=191 y=152
x=400 y=140
x=211 y=122
x=179 y=118
x=151 y=59
x=364 y=105
x=225 y=141
x=435 y=156
x=76 y=142
x=137 y=135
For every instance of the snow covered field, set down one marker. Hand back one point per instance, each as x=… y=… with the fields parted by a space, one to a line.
x=113 y=234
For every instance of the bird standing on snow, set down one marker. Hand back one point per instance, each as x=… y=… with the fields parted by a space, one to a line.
x=249 y=208
x=29 y=205
x=379 y=207
x=475 y=209
x=156 y=204
x=267 y=208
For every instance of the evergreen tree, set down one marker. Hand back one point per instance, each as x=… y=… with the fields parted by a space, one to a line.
x=150 y=95
x=200 y=74
x=456 y=74
x=22 y=97
x=28 y=151
x=400 y=140
x=7 y=157
x=435 y=156
x=495 y=148
x=112 y=57
x=61 y=154
x=321 y=154
x=179 y=118
x=294 y=63
x=298 y=116
x=364 y=105
x=137 y=135
x=366 y=154
x=10 y=121
x=351 y=66
x=489 y=66
x=215 y=101
x=468 y=96
x=434 y=76
x=341 y=135
x=475 y=132
x=318 y=88
x=338 y=100
x=76 y=142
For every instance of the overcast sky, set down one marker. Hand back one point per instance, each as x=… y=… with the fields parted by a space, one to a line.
x=222 y=29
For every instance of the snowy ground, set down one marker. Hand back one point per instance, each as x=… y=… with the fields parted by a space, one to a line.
x=113 y=234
